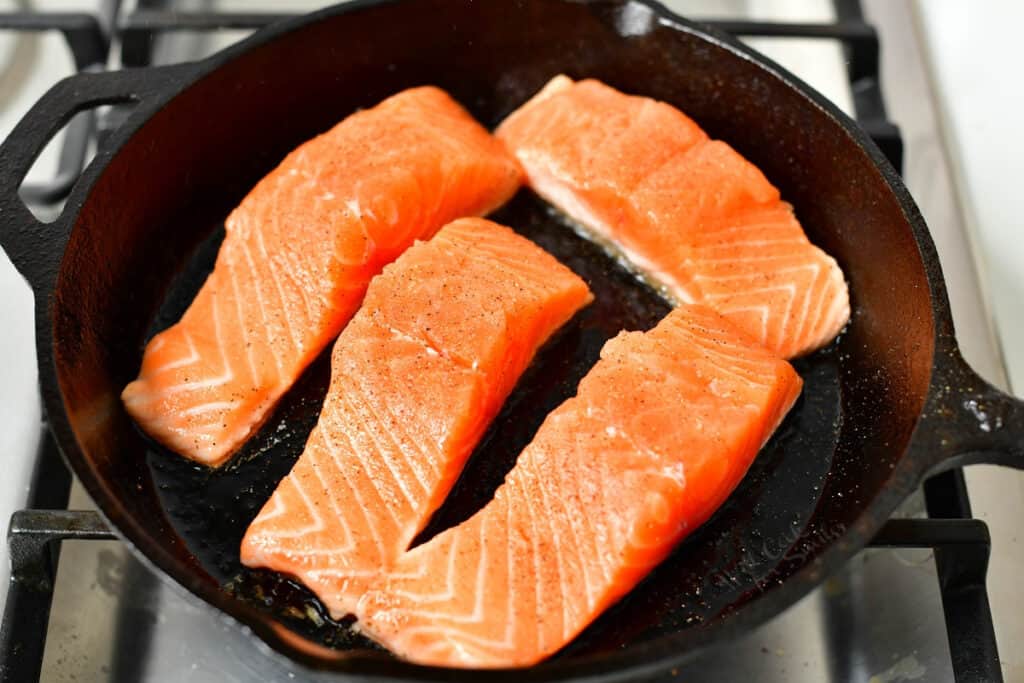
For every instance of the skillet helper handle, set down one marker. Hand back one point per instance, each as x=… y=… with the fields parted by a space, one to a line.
x=975 y=423
x=35 y=247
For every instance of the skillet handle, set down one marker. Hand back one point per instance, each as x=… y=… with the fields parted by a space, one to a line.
x=973 y=422
x=35 y=247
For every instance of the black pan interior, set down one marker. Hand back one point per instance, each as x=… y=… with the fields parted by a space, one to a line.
x=129 y=269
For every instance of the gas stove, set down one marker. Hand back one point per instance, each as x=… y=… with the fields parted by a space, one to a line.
x=915 y=605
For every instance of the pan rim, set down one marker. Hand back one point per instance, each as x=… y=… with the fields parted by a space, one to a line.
x=647 y=658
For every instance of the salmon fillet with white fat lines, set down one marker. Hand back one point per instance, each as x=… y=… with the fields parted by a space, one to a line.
x=660 y=432
x=687 y=211
x=299 y=252
x=417 y=376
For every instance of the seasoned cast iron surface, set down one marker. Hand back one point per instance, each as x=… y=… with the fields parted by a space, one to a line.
x=710 y=571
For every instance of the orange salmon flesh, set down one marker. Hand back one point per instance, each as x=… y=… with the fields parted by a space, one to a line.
x=686 y=211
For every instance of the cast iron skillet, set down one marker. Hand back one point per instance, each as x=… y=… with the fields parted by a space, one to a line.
x=889 y=403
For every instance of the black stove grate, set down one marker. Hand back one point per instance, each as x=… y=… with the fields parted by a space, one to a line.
x=88 y=40
x=960 y=544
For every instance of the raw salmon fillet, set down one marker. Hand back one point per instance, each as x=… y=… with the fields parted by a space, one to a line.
x=688 y=212
x=660 y=432
x=299 y=253
x=417 y=376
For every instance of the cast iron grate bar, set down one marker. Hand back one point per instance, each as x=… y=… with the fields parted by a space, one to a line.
x=971 y=534
x=32 y=540
x=962 y=572
x=88 y=46
x=140 y=29
x=88 y=40
x=27 y=609
x=961 y=548
x=84 y=34
x=863 y=53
